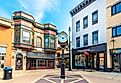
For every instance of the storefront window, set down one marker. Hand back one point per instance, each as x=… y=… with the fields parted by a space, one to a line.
x=116 y=63
x=79 y=60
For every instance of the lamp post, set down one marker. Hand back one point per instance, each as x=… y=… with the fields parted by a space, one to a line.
x=69 y=51
x=113 y=42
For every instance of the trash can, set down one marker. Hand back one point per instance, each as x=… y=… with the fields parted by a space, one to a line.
x=7 y=73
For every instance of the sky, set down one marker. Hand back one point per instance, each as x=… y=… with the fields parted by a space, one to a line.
x=44 y=11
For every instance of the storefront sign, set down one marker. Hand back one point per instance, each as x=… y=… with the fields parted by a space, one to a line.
x=115 y=51
x=83 y=50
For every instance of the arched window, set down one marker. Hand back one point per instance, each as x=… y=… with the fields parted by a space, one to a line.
x=39 y=42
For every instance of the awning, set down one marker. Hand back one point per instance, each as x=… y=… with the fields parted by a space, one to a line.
x=86 y=52
x=40 y=57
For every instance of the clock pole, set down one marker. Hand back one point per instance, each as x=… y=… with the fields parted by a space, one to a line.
x=62 y=66
x=63 y=41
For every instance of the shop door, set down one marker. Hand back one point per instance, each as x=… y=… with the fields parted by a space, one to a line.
x=19 y=64
x=28 y=64
x=101 y=61
x=19 y=61
x=116 y=63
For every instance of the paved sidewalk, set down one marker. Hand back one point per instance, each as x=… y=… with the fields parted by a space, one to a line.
x=100 y=77
x=31 y=76
x=108 y=75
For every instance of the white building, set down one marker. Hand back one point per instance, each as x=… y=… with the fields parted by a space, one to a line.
x=89 y=34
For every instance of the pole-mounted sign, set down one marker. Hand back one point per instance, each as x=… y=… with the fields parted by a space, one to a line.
x=63 y=41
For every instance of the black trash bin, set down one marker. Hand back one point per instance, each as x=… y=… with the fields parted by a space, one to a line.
x=7 y=73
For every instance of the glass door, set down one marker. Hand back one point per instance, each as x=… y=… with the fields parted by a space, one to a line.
x=116 y=63
x=101 y=61
x=19 y=61
x=18 y=64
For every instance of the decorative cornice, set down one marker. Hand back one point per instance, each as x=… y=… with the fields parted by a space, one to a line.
x=49 y=28
x=5 y=19
x=24 y=13
x=34 y=23
x=81 y=6
x=5 y=22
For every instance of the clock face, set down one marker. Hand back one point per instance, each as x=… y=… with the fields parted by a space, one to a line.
x=63 y=37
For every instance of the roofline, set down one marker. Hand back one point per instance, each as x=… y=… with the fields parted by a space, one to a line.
x=5 y=19
x=83 y=5
x=49 y=24
x=24 y=13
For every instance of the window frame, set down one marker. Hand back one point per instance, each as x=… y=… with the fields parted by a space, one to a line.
x=85 y=25
x=39 y=45
x=114 y=7
x=95 y=32
x=47 y=37
x=85 y=44
x=52 y=43
x=78 y=28
x=116 y=28
x=94 y=22
x=78 y=41
x=26 y=41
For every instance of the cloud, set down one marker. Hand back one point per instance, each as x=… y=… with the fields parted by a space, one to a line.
x=38 y=7
x=22 y=4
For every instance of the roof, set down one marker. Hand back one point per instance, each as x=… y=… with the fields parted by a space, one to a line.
x=5 y=22
x=81 y=6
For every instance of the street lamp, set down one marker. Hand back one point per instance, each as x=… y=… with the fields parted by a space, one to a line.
x=69 y=51
x=113 y=42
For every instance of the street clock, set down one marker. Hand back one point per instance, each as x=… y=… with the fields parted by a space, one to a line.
x=63 y=39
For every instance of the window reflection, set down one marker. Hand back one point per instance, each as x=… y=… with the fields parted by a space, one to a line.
x=119 y=30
